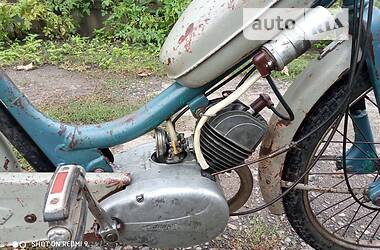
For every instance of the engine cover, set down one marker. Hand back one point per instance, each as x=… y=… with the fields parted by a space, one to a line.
x=166 y=205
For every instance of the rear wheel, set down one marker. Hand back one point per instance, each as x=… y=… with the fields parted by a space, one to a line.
x=17 y=136
x=322 y=211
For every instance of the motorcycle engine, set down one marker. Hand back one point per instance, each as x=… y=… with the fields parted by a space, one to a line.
x=231 y=136
x=171 y=201
x=166 y=205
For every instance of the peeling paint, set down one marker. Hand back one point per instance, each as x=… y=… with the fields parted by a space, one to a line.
x=187 y=38
x=18 y=103
x=6 y=162
x=282 y=123
x=73 y=141
x=20 y=201
x=62 y=130
x=231 y=4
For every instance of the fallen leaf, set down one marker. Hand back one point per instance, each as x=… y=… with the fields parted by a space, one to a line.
x=27 y=67
x=285 y=71
x=144 y=73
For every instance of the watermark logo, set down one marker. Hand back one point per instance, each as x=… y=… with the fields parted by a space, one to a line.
x=20 y=245
x=299 y=23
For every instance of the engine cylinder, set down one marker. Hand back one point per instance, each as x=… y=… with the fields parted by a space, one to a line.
x=231 y=137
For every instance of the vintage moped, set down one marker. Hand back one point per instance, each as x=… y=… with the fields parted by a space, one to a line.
x=318 y=160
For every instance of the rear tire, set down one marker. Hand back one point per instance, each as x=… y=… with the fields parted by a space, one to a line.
x=24 y=144
x=298 y=160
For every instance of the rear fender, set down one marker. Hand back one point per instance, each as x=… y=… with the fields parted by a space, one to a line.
x=301 y=96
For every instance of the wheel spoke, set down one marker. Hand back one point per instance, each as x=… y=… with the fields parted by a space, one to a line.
x=357 y=142
x=369 y=99
x=333 y=205
x=341 y=210
x=352 y=219
x=361 y=132
x=335 y=185
x=346 y=218
x=369 y=224
x=335 y=158
x=374 y=233
x=353 y=144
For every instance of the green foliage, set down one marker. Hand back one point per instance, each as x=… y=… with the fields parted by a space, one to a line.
x=295 y=67
x=81 y=53
x=141 y=22
x=321 y=44
x=30 y=51
x=51 y=19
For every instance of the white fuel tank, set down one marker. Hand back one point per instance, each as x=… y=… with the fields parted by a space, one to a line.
x=208 y=38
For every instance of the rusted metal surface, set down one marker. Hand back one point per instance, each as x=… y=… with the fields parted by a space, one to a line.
x=8 y=161
x=208 y=38
x=245 y=189
x=22 y=198
x=301 y=96
x=321 y=189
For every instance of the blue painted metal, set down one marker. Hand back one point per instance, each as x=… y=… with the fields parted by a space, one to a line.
x=199 y=102
x=362 y=148
x=65 y=144
x=70 y=144
x=373 y=54
x=374 y=192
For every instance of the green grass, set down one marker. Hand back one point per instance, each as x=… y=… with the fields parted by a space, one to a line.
x=106 y=103
x=259 y=235
x=82 y=54
x=295 y=67
x=85 y=54
x=88 y=109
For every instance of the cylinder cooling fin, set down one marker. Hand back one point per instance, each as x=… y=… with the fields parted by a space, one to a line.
x=231 y=136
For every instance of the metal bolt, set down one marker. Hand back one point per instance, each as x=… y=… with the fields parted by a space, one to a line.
x=59 y=234
x=111 y=237
x=30 y=218
x=140 y=198
x=54 y=201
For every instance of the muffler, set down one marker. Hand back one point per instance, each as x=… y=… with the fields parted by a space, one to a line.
x=317 y=24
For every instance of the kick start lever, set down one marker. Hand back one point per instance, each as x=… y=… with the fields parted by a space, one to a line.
x=66 y=205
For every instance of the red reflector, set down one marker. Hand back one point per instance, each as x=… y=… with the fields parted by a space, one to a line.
x=59 y=182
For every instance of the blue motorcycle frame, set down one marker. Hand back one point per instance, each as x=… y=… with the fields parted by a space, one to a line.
x=82 y=145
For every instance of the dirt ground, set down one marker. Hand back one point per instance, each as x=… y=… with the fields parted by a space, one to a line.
x=49 y=84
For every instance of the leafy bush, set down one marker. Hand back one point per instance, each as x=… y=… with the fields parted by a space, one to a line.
x=51 y=19
x=143 y=22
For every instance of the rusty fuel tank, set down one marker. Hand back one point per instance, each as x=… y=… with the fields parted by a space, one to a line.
x=208 y=38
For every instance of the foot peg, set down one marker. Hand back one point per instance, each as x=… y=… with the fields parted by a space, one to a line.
x=66 y=206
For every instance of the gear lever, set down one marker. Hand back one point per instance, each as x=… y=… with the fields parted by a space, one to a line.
x=66 y=205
